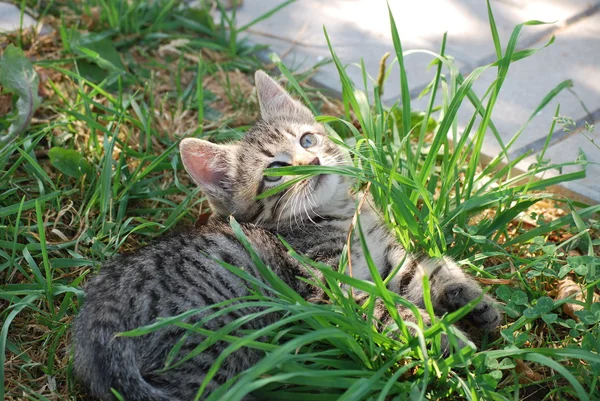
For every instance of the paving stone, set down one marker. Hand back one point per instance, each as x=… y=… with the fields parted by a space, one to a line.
x=569 y=150
x=10 y=18
x=575 y=55
x=354 y=34
x=360 y=28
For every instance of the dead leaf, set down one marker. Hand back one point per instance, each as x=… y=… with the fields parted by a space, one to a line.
x=526 y=374
x=204 y=216
x=92 y=19
x=494 y=281
x=231 y=4
x=173 y=48
x=5 y=104
x=568 y=287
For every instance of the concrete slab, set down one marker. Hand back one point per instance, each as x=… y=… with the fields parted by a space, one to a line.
x=356 y=28
x=575 y=55
x=10 y=18
x=360 y=28
x=573 y=147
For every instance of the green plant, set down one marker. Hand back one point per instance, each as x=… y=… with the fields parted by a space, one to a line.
x=17 y=75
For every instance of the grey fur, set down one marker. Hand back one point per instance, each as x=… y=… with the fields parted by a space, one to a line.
x=173 y=275
x=178 y=273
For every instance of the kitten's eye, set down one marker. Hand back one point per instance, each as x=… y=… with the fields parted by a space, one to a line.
x=272 y=178
x=308 y=140
x=275 y=178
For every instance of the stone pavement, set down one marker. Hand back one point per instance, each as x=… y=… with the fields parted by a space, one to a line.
x=10 y=18
x=360 y=28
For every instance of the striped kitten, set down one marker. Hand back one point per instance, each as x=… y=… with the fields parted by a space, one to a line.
x=178 y=273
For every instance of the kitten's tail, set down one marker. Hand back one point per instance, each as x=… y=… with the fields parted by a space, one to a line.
x=104 y=362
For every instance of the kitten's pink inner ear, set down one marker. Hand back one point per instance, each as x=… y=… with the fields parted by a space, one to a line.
x=203 y=161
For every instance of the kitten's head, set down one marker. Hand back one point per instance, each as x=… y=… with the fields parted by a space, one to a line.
x=231 y=175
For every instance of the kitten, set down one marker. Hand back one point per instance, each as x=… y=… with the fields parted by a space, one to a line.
x=179 y=272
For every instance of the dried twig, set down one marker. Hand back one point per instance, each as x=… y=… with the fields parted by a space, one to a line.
x=354 y=220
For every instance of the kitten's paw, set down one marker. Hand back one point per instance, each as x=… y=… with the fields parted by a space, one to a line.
x=485 y=315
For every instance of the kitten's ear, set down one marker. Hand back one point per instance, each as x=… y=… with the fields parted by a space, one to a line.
x=275 y=102
x=207 y=163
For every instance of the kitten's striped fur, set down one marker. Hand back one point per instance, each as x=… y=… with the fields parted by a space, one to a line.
x=178 y=273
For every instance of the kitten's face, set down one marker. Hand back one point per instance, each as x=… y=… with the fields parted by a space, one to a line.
x=232 y=176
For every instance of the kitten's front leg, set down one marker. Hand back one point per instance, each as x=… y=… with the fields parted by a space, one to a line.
x=451 y=288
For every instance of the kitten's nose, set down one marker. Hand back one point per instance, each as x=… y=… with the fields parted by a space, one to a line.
x=315 y=162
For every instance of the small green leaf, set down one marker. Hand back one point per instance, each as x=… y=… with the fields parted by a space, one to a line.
x=519 y=298
x=479 y=239
x=570 y=323
x=588 y=342
x=491 y=380
x=586 y=317
x=521 y=339
x=503 y=293
x=533 y=273
x=506 y=363
x=550 y=318
x=544 y=305
x=491 y=363
x=564 y=270
x=508 y=335
x=581 y=270
x=69 y=162
x=531 y=313
x=96 y=57
x=513 y=310
x=496 y=374
x=18 y=76
x=99 y=49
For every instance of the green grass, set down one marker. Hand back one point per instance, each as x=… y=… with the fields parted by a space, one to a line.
x=97 y=172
